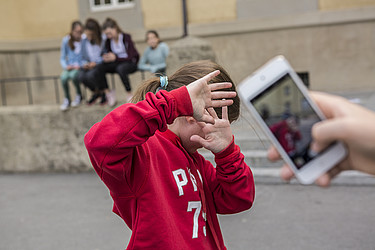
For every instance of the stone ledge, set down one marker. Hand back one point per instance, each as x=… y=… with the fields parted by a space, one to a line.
x=44 y=139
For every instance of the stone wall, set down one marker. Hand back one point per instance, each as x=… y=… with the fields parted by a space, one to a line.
x=43 y=139
x=186 y=50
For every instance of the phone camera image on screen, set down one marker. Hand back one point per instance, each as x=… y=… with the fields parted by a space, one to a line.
x=290 y=118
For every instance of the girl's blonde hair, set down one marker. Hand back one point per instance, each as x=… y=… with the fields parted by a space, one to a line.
x=188 y=74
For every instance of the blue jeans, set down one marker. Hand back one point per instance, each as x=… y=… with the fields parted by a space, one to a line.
x=67 y=75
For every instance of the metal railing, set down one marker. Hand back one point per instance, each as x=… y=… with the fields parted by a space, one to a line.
x=28 y=81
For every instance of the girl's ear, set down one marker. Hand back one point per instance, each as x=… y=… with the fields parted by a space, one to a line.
x=190 y=120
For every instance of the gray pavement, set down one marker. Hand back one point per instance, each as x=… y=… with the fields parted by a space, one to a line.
x=73 y=211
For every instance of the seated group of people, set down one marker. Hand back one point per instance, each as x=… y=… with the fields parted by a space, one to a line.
x=87 y=55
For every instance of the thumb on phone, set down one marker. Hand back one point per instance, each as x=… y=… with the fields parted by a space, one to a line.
x=325 y=133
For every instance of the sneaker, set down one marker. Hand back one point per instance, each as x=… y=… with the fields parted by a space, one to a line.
x=65 y=105
x=103 y=101
x=111 y=97
x=93 y=99
x=77 y=101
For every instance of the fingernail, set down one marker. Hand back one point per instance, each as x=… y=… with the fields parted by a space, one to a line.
x=312 y=153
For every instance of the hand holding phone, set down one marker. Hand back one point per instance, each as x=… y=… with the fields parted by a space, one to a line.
x=348 y=122
x=280 y=103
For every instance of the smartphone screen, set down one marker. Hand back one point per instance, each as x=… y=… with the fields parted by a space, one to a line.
x=290 y=118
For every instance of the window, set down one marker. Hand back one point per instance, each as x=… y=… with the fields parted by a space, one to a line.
x=286 y=90
x=305 y=78
x=103 y=5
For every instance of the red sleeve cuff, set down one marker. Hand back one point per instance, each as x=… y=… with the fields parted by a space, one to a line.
x=227 y=151
x=183 y=102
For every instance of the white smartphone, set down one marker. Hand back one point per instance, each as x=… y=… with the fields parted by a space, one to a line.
x=280 y=102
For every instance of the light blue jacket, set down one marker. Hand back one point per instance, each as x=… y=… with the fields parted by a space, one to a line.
x=67 y=55
x=85 y=52
x=154 y=59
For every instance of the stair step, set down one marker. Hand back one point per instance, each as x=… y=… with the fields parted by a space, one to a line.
x=253 y=158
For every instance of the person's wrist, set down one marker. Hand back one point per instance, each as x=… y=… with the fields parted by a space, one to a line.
x=221 y=148
x=226 y=150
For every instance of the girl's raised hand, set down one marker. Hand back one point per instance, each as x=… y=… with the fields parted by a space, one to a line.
x=203 y=96
x=217 y=136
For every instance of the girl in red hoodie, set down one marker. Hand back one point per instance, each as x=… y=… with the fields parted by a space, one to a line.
x=146 y=154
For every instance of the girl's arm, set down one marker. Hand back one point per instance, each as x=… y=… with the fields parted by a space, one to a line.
x=133 y=55
x=114 y=139
x=165 y=49
x=132 y=51
x=232 y=182
x=142 y=64
x=85 y=56
x=64 y=52
x=155 y=67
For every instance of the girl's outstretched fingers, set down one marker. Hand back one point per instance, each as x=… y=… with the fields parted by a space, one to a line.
x=224 y=113
x=207 y=118
x=220 y=98
x=210 y=76
x=212 y=112
x=204 y=95
x=222 y=103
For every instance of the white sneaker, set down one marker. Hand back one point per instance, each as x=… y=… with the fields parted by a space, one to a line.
x=77 y=101
x=65 y=105
x=111 y=98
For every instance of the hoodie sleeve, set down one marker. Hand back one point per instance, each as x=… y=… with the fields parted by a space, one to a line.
x=231 y=182
x=111 y=142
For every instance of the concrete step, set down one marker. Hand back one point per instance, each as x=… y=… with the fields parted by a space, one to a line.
x=246 y=142
x=247 y=133
x=253 y=158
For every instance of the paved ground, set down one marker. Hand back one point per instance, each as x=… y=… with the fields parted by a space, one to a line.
x=73 y=211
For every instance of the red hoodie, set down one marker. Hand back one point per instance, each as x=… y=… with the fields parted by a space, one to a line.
x=286 y=137
x=153 y=180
